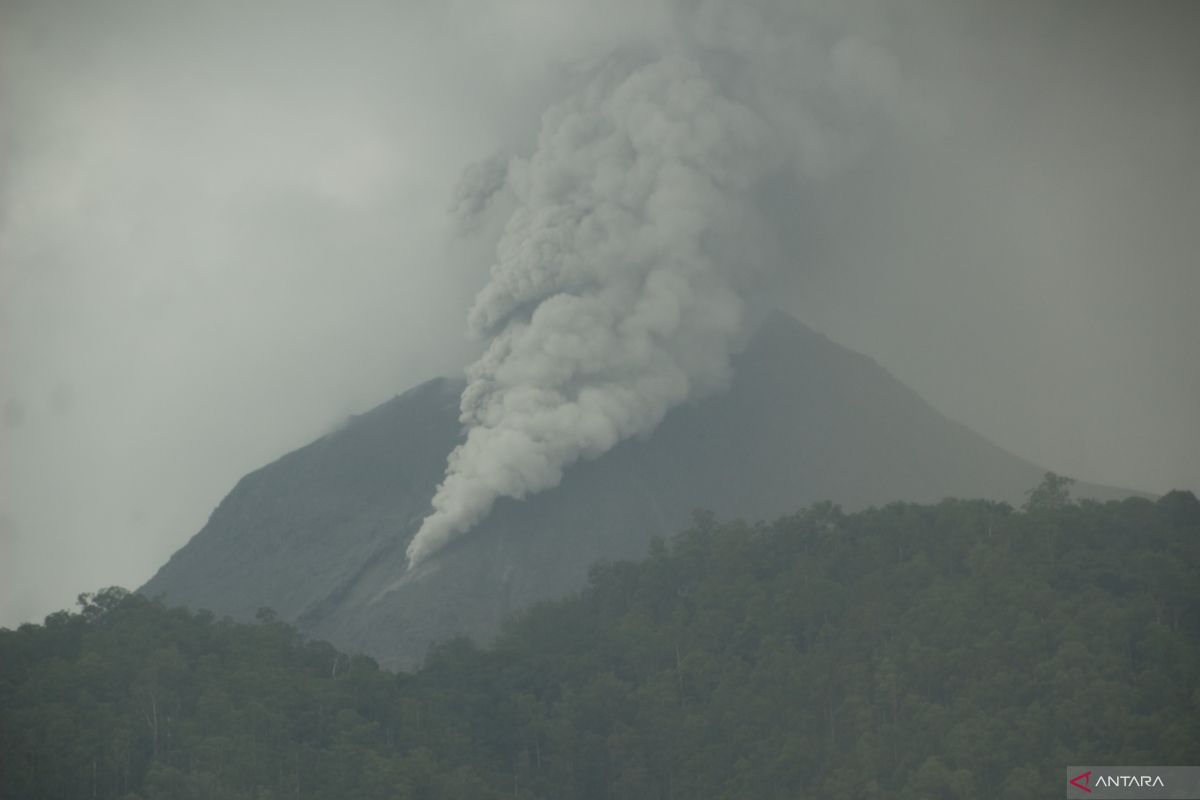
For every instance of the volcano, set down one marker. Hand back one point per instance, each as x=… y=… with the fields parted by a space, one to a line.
x=319 y=536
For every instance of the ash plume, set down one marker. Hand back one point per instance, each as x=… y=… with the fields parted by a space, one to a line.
x=620 y=286
x=477 y=188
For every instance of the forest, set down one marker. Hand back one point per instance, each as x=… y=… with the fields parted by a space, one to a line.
x=957 y=650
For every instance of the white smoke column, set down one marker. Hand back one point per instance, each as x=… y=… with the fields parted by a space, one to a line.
x=604 y=310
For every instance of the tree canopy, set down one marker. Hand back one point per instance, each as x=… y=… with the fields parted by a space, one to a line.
x=949 y=651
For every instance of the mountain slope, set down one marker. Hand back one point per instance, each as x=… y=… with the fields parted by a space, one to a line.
x=319 y=536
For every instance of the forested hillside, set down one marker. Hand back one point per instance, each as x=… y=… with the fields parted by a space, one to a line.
x=960 y=650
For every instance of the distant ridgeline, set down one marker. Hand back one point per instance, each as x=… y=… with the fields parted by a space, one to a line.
x=957 y=650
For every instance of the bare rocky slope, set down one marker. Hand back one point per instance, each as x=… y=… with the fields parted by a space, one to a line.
x=319 y=536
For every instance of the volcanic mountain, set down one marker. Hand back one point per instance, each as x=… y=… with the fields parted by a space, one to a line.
x=319 y=536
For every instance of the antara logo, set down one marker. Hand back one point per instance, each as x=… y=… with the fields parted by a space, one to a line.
x=1083 y=781
x=1080 y=781
x=1126 y=781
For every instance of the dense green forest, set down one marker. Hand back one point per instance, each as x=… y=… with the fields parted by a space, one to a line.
x=960 y=650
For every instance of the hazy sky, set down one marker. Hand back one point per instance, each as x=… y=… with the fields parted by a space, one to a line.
x=224 y=228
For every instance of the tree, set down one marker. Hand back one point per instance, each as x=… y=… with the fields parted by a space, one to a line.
x=1053 y=492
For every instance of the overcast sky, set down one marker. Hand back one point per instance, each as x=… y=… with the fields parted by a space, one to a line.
x=224 y=228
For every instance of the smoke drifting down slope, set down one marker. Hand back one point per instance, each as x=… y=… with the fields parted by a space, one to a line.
x=604 y=310
x=620 y=287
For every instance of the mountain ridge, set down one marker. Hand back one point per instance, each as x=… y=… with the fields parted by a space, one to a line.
x=319 y=535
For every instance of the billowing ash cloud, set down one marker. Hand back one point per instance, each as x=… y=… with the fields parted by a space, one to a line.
x=617 y=295
x=477 y=187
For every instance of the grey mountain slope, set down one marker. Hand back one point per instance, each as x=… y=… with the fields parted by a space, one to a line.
x=319 y=536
